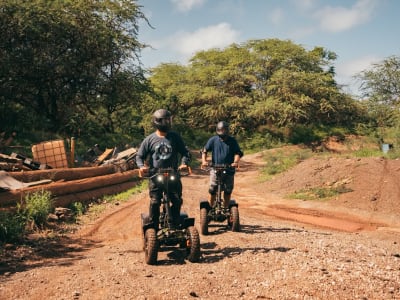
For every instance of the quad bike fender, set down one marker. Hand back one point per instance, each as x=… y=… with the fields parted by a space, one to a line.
x=205 y=204
x=146 y=224
x=182 y=218
x=233 y=202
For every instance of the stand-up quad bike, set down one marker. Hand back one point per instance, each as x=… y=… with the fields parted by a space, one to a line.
x=218 y=213
x=183 y=234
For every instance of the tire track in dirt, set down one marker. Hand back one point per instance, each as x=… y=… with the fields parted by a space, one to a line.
x=121 y=223
x=319 y=218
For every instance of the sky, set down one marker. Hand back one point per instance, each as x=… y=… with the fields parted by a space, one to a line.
x=360 y=32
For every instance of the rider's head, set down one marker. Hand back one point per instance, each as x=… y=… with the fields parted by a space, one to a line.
x=222 y=129
x=162 y=120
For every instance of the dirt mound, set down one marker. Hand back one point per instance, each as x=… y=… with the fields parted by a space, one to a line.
x=371 y=186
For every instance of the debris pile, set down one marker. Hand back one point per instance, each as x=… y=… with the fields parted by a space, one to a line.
x=105 y=173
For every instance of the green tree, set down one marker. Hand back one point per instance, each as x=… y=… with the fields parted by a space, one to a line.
x=261 y=83
x=381 y=90
x=68 y=61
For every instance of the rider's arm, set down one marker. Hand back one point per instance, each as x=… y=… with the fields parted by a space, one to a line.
x=186 y=157
x=236 y=161
x=141 y=156
x=183 y=151
x=238 y=154
x=204 y=157
x=208 y=147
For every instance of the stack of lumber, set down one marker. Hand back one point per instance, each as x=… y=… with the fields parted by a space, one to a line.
x=67 y=185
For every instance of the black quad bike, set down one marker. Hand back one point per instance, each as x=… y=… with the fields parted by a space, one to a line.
x=183 y=234
x=218 y=213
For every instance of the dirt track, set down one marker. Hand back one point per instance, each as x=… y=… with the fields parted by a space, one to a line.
x=287 y=249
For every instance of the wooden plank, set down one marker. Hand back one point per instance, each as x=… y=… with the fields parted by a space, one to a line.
x=9 y=183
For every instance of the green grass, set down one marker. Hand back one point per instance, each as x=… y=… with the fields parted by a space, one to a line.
x=124 y=196
x=319 y=193
x=96 y=208
x=280 y=161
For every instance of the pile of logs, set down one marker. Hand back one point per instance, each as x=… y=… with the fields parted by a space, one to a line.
x=68 y=185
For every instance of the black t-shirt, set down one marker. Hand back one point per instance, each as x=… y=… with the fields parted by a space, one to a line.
x=163 y=152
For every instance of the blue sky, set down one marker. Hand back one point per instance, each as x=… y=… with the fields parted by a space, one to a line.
x=360 y=32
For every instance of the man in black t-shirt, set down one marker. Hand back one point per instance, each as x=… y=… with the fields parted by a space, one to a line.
x=163 y=149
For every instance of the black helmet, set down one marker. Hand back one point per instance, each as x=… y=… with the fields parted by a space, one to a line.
x=222 y=129
x=162 y=120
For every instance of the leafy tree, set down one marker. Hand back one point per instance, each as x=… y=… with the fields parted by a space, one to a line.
x=259 y=84
x=68 y=61
x=381 y=90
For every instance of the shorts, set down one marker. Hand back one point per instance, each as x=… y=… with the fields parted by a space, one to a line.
x=228 y=181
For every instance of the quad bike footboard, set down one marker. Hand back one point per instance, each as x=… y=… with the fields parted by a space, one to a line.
x=187 y=222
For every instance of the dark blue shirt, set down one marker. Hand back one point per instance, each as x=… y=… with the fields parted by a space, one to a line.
x=223 y=151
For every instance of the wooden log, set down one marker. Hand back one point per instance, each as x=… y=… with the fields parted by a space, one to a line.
x=8 y=198
x=92 y=195
x=65 y=174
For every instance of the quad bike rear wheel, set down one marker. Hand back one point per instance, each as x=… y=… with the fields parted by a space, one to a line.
x=203 y=221
x=150 y=246
x=193 y=244
x=233 y=220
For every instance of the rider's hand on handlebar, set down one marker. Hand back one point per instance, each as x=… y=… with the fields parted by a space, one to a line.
x=204 y=165
x=235 y=165
x=183 y=167
x=143 y=171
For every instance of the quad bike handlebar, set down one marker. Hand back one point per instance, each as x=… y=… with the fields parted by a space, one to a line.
x=183 y=171
x=218 y=167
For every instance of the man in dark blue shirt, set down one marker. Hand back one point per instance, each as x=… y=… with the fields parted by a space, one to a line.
x=163 y=149
x=225 y=150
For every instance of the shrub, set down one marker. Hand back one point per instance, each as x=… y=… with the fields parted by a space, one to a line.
x=12 y=226
x=78 y=208
x=37 y=207
x=281 y=161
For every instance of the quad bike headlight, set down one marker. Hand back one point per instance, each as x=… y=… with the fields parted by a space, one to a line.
x=160 y=178
x=172 y=177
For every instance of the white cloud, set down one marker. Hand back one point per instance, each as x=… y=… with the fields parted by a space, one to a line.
x=346 y=70
x=353 y=67
x=304 y=4
x=187 y=5
x=217 y=36
x=276 y=16
x=336 y=19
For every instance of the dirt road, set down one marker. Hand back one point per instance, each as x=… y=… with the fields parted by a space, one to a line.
x=287 y=249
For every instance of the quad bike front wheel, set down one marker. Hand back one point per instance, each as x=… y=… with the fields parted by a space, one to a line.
x=203 y=221
x=150 y=246
x=233 y=220
x=193 y=244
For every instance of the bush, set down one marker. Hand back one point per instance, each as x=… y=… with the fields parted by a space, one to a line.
x=281 y=161
x=257 y=142
x=78 y=208
x=12 y=226
x=37 y=207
